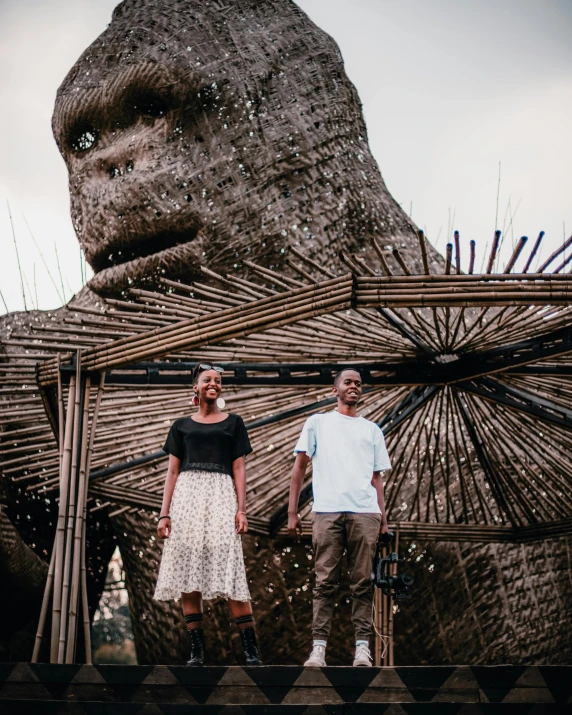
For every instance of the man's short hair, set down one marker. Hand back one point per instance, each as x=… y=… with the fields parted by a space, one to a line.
x=347 y=369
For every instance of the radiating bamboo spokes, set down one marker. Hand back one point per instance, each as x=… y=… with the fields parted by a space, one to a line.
x=489 y=452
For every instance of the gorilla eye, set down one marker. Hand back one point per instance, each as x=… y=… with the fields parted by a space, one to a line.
x=151 y=106
x=83 y=139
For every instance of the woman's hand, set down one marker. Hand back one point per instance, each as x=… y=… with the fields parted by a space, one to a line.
x=241 y=523
x=164 y=528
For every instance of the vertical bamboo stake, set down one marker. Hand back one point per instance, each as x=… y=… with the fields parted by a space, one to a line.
x=78 y=529
x=83 y=569
x=457 y=239
x=61 y=422
x=44 y=609
x=377 y=622
x=71 y=511
x=390 y=629
x=448 y=257
x=472 y=246
x=386 y=608
x=84 y=599
x=60 y=530
x=51 y=569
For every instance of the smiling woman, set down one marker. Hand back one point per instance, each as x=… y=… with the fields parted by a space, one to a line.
x=204 y=514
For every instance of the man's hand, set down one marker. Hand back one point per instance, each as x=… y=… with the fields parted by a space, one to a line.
x=164 y=528
x=294 y=524
x=383 y=529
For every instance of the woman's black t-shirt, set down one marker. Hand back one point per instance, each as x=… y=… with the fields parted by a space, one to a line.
x=212 y=447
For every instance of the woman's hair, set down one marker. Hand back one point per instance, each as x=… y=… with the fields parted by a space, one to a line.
x=203 y=367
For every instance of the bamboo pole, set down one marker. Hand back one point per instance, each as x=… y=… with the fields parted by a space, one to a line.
x=378 y=626
x=381 y=256
x=423 y=248
x=279 y=280
x=516 y=253
x=350 y=263
x=555 y=255
x=51 y=569
x=448 y=258
x=44 y=609
x=391 y=648
x=78 y=528
x=310 y=262
x=60 y=529
x=278 y=302
x=68 y=553
x=84 y=599
x=399 y=258
x=457 y=239
x=533 y=252
x=60 y=412
x=493 y=253
x=255 y=312
x=83 y=569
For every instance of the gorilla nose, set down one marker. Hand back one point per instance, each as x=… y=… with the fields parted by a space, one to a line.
x=116 y=169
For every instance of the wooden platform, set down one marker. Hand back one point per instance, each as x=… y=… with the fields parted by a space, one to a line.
x=172 y=690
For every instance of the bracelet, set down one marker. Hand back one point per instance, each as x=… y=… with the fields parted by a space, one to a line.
x=241 y=512
x=164 y=517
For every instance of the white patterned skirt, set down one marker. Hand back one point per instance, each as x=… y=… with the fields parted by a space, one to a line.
x=203 y=552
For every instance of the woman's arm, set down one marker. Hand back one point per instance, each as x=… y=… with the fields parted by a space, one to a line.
x=164 y=525
x=239 y=475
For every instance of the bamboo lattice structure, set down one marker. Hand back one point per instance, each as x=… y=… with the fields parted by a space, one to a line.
x=461 y=370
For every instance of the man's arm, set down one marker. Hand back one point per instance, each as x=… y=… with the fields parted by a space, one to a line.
x=296 y=481
x=377 y=484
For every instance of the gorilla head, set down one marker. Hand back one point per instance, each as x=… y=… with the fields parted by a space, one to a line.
x=198 y=131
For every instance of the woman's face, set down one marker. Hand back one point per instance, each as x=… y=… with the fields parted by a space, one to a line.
x=208 y=385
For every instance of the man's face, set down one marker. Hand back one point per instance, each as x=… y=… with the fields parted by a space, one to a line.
x=198 y=134
x=348 y=387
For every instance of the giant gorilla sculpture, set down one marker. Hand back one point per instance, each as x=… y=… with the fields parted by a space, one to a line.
x=204 y=132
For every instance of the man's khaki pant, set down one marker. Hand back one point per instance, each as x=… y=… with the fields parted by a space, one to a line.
x=333 y=532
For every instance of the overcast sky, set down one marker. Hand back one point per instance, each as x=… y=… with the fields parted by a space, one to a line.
x=450 y=88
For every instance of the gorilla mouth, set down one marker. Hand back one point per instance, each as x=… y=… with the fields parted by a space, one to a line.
x=172 y=254
x=144 y=247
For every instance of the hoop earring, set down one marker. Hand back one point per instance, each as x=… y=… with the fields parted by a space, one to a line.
x=220 y=403
x=195 y=401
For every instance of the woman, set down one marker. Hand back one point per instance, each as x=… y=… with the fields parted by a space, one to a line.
x=204 y=513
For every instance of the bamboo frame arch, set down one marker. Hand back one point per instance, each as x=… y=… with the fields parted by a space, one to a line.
x=463 y=369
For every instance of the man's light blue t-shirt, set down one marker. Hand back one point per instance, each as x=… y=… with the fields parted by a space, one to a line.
x=345 y=452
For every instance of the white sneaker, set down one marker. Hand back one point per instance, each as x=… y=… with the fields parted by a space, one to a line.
x=362 y=657
x=317 y=657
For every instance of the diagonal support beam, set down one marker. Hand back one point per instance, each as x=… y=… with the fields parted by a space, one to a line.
x=395 y=321
x=519 y=399
x=410 y=404
x=483 y=458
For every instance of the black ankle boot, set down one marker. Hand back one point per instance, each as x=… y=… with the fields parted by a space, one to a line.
x=248 y=638
x=197 y=644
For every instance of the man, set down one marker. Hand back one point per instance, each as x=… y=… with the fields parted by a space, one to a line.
x=348 y=456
